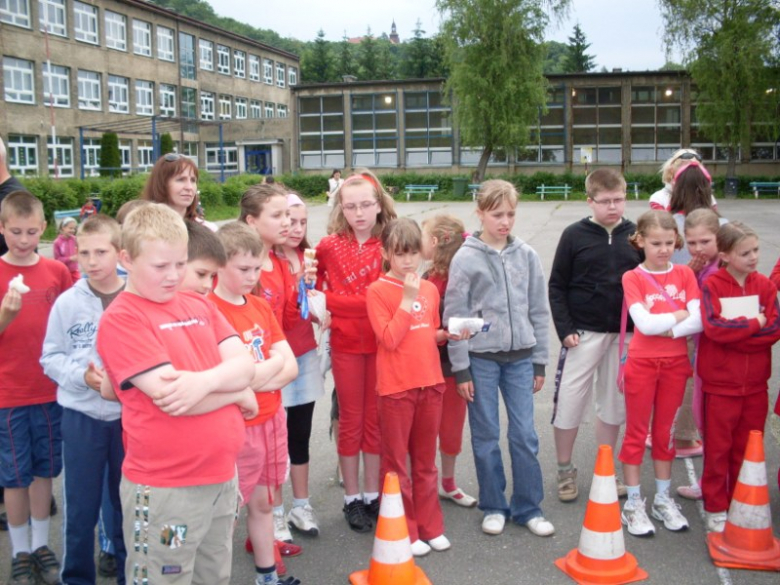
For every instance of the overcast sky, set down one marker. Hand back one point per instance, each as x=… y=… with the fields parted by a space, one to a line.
x=622 y=33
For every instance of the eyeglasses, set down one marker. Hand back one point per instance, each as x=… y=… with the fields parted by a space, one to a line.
x=172 y=157
x=610 y=202
x=689 y=156
x=364 y=206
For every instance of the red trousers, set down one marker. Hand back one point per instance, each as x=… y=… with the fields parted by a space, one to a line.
x=410 y=424
x=355 y=378
x=728 y=421
x=453 y=417
x=653 y=387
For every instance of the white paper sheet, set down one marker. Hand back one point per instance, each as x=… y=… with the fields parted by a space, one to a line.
x=734 y=307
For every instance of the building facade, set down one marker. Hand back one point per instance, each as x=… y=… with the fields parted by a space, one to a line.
x=73 y=69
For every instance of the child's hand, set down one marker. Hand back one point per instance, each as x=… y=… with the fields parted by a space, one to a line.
x=183 y=391
x=93 y=376
x=12 y=303
x=411 y=286
x=466 y=391
x=310 y=273
x=444 y=335
x=761 y=320
x=572 y=340
x=538 y=383
x=681 y=315
x=697 y=262
x=247 y=404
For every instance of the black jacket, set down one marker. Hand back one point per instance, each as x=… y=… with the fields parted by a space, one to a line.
x=586 y=293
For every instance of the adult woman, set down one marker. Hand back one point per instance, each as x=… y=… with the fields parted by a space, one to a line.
x=174 y=182
x=334 y=183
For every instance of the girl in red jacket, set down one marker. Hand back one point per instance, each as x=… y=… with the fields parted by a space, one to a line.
x=734 y=362
x=350 y=259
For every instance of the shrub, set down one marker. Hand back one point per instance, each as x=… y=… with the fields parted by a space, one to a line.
x=55 y=195
x=166 y=143
x=110 y=157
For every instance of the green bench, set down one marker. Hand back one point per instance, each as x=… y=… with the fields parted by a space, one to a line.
x=421 y=189
x=765 y=187
x=543 y=190
x=62 y=214
x=474 y=189
x=633 y=188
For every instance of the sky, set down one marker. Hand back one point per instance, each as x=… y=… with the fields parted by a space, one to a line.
x=623 y=34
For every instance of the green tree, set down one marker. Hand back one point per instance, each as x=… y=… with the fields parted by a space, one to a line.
x=316 y=61
x=556 y=54
x=495 y=52
x=385 y=60
x=576 y=59
x=731 y=49
x=417 y=63
x=166 y=143
x=110 y=157
x=368 y=57
x=346 y=61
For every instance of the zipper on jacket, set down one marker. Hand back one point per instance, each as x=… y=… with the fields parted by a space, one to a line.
x=610 y=238
x=508 y=303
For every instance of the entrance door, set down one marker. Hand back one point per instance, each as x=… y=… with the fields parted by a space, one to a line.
x=258 y=162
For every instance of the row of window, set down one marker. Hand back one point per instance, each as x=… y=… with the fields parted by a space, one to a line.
x=53 y=18
x=19 y=87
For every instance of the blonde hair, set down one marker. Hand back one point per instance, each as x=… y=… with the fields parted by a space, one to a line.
x=494 y=192
x=238 y=237
x=674 y=162
x=338 y=224
x=155 y=221
x=731 y=234
x=101 y=224
x=22 y=204
x=450 y=233
x=655 y=219
x=703 y=217
x=129 y=206
x=604 y=180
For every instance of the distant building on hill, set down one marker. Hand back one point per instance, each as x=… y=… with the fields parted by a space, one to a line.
x=393 y=37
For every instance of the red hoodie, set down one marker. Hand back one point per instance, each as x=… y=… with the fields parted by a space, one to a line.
x=347 y=268
x=735 y=355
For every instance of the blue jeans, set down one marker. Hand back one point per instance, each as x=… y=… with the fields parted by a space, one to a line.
x=515 y=382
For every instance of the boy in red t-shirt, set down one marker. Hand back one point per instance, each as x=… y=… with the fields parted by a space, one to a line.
x=179 y=370
x=263 y=463
x=30 y=441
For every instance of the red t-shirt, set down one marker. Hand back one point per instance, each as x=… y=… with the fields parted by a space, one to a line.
x=22 y=381
x=277 y=287
x=137 y=335
x=258 y=329
x=300 y=335
x=407 y=355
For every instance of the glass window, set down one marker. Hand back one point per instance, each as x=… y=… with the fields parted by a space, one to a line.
x=206 y=54
x=16 y=12
x=56 y=86
x=268 y=71
x=118 y=94
x=428 y=138
x=292 y=76
x=165 y=48
x=269 y=110
x=225 y=107
x=145 y=153
x=142 y=38
x=85 y=22
x=187 y=56
x=116 y=31
x=375 y=130
x=215 y=158
x=281 y=111
x=241 y=108
x=254 y=68
x=18 y=80
x=206 y=105
x=144 y=98
x=89 y=90
x=51 y=17
x=125 y=148
x=239 y=64
x=167 y=100
x=23 y=154
x=223 y=59
x=60 y=157
x=321 y=121
x=90 y=156
x=280 y=74
x=189 y=104
x=255 y=109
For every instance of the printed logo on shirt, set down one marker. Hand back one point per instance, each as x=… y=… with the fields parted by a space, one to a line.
x=187 y=323
x=671 y=290
x=254 y=340
x=82 y=335
x=419 y=308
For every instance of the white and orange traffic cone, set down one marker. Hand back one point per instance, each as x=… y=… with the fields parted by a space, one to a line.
x=392 y=562
x=747 y=541
x=601 y=556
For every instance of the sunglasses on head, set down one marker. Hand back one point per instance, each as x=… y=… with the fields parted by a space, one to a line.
x=172 y=157
x=689 y=156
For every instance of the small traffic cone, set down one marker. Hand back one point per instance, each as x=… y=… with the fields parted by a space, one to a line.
x=747 y=541
x=392 y=562
x=601 y=556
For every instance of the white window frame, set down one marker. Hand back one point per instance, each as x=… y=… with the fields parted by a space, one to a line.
x=241 y=110
x=54 y=11
x=15 y=12
x=254 y=68
x=167 y=94
x=206 y=54
x=91 y=156
x=292 y=76
x=63 y=151
x=207 y=105
x=144 y=151
x=116 y=30
x=280 y=74
x=281 y=111
x=22 y=154
x=142 y=38
x=118 y=94
x=225 y=107
x=60 y=88
x=255 y=109
x=268 y=71
x=166 y=46
x=212 y=157
x=89 y=90
x=86 y=27
x=18 y=80
x=223 y=59
x=269 y=111
x=125 y=153
x=239 y=63
x=144 y=97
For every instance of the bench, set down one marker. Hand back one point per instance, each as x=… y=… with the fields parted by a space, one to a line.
x=424 y=189
x=543 y=190
x=60 y=215
x=766 y=187
x=474 y=189
x=633 y=187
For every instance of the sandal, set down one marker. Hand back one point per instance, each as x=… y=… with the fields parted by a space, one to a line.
x=567 y=485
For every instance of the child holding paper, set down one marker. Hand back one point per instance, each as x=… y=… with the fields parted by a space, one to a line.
x=741 y=323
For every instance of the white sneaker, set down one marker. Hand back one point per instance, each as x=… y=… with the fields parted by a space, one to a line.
x=281 y=532
x=493 y=523
x=302 y=518
x=716 y=521
x=667 y=510
x=540 y=527
x=634 y=517
x=440 y=543
x=420 y=549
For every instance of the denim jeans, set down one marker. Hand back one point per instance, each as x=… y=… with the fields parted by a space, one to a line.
x=515 y=382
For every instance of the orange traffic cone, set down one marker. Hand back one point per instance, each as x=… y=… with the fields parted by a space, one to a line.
x=747 y=541
x=392 y=562
x=601 y=556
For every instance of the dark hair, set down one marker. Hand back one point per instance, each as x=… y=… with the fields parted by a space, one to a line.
x=305 y=241
x=167 y=167
x=255 y=198
x=334 y=172
x=400 y=236
x=203 y=244
x=692 y=190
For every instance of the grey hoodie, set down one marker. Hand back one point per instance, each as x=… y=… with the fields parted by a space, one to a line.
x=507 y=289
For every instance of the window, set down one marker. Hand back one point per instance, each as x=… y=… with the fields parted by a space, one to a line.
x=268 y=71
x=89 y=90
x=206 y=105
x=165 y=48
x=375 y=130
x=85 y=22
x=118 y=94
x=144 y=98
x=18 y=80
x=269 y=110
x=167 y=100
x=16 y=12
x=189 y=103
x=321 y=132
x=547 y=138
x=51 y=17
x=223 y=59
x=656 y=131
x=145 y=152
x=216 y=157
x=56 y=86
x=187 y=56
x=255 y=109
x=254 y=68
x=116 y=31
x=280 y=74
x=23 y=154
x=142 y=38
x=596 y=124
x=60 y=157
x=239 y=64
x=206 y=49
x=90 y=156
x=125 y=148
x=292 y=76
x=240 y=108
x=281 y=111
x=225 y=107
